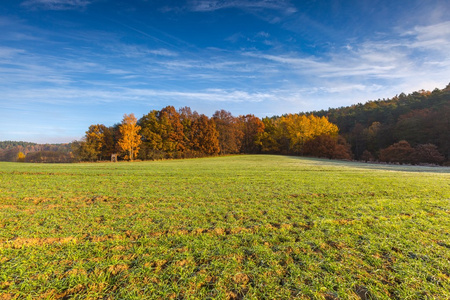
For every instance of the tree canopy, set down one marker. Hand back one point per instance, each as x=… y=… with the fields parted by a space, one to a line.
x=130 y=139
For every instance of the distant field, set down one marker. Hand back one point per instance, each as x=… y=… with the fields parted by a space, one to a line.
x=267 y=227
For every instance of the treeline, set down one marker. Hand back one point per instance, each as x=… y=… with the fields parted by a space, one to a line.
x=183 y=133
x=5 y=145
x=32 y=152
x=410 y=129
x=418 y=123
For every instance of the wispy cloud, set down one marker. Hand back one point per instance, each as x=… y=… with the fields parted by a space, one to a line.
x=401 y=58
x=129 y=50
x=14 y=29
x=436 y=36
x=209 y=95
x=58 y=96
x=56 y=4
x=212 y=5
x=8 y=52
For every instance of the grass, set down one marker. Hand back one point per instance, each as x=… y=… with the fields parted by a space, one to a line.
x=233 y=227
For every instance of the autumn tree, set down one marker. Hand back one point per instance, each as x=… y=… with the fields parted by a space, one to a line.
x=187 y=117
x=427 y=153
x=20 y=157
x=172 y=134
x=204 y=136
x=94 y=139
x=99 y=141
x=230 y=133
x=86 y=151
x=400 y=152
x=251 y=127
x=97 y=144
x=109 y=143
x=301 y=128
x=152 y=142
x=130 y=138
x=328 y=146
x=367 y=156
x=270 y=138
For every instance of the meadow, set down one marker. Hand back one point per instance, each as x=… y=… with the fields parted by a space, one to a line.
x=237 y=227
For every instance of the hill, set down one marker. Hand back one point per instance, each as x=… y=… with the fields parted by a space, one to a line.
x=422 y=117
x=33 y=152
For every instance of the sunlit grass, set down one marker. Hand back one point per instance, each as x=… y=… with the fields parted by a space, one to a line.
x=231 y=227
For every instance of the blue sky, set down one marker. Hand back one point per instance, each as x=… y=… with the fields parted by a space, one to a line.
x=67 y=64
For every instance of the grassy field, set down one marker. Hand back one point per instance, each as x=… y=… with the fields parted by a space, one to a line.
x=252 y=227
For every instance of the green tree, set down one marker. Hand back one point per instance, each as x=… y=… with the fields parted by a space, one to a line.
x=152 y=142
x=270 y=138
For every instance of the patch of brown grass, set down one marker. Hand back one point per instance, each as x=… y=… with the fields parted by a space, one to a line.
x=115 y=269
x=20 y=242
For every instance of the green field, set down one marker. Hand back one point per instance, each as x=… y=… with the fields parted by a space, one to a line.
x=237 y=227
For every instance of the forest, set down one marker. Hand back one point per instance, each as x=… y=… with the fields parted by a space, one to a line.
x=406 y=129
x=33 y=152
x=401 y=129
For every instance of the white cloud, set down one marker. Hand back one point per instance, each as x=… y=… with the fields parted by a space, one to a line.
x=129 y=50
x=209 y=95
x=293 y=60
x=58 y=96
x=212 y=5
x=7 y=52
x=163 y=52
x=262 y=34
x=428 y=32
x=235 y=37
x=56 y=4
x=118 y=72
x=435 y=37
x=401 y=58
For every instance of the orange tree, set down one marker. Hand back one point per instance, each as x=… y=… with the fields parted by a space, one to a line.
x=252 y=127
x=230 y=133
x=204 y=136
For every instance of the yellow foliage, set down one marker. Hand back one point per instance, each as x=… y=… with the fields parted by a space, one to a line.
x=95 y=134
x=301 y=128
x=130 y=139
x=20 y=156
